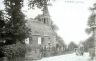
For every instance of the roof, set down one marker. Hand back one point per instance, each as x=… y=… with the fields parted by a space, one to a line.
x=40 y=29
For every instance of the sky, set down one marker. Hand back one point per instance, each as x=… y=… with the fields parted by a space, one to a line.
x=70 y=16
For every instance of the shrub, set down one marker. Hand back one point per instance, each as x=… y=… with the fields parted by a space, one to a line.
x=14 y=50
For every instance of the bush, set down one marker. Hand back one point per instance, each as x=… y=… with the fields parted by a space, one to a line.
x=14 y=50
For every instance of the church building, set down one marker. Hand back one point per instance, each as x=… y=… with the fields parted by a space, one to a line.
x=42 y=35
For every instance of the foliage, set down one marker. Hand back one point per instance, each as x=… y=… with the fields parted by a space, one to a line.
x=39 y=3
x=54 y=27
x=2 y=25
x=91 y=19
x=72 y=46
x=14 y=50
x=89 y=43
x=59 y=45
x=16 y=26
x=89 y=30
x=60 y=42
x=1 y=13
x=2 y=22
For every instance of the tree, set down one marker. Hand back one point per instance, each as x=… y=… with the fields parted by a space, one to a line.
x=89 y=43
x=54 y=27
x=38 y=3
x=16 y=29
x=60 y=41
x=91 y=20
x=2 y=23
x=72 y=46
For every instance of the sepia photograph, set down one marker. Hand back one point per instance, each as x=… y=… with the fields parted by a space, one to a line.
x=47 y=30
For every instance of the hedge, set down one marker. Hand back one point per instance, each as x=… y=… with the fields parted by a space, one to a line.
x=14 y=50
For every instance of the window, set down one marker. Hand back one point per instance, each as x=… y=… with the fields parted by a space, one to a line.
x=39 y=40
x=44 y=21
x=27 y=40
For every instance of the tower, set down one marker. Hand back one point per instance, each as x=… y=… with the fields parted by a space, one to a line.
x=46 y=17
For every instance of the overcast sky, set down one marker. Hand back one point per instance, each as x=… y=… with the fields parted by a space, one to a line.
x=69 y=15
x=71 y=18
